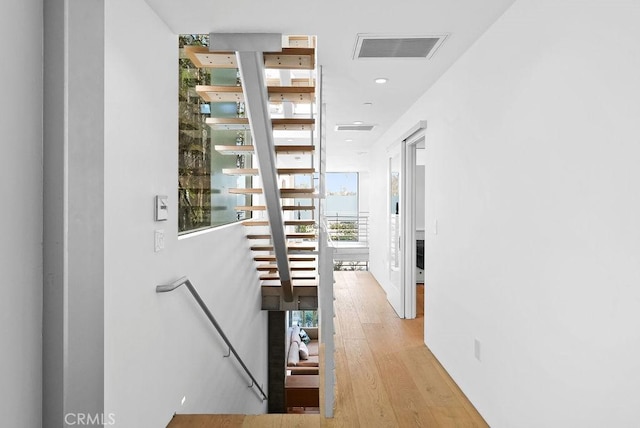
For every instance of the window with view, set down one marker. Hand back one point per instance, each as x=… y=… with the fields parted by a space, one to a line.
x=342 y=194
x=206 y=176
x=304 y=318
x=342 y=205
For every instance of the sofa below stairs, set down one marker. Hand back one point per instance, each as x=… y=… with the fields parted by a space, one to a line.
x=296 y=363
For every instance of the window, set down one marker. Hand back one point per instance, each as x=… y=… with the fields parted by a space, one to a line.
x=342 y=194
x=304 y=318
x=205 y=198
x=342 y=206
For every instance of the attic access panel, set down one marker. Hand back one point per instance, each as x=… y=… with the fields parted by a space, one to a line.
x=377 y=46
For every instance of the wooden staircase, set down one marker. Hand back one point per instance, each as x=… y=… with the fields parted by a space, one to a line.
x=293 y=150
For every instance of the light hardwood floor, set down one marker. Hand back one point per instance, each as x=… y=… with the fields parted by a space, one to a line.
x=386 y=376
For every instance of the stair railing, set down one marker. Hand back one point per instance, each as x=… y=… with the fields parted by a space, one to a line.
x=348 y=228
x=184 y=280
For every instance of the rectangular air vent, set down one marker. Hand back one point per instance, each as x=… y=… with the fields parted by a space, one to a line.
x=351 y=127
x=370 y=46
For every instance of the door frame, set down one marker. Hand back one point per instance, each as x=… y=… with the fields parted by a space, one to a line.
x=395 y=293
x=412 y=139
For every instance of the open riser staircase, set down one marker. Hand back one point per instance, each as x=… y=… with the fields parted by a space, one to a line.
x=275 y=125
x=264 y=97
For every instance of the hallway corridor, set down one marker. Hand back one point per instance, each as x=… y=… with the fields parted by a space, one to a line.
x=386 y=377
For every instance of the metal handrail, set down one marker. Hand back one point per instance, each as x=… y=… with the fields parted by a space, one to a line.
x=184 y=280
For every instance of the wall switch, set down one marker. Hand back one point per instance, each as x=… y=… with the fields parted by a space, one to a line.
x=476 y=349
x=158 y=240
x=162 y=208
x=435 y=227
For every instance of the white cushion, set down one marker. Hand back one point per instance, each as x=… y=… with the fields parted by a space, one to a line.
x=313 y=347
x=294 y=354
x=304 y=351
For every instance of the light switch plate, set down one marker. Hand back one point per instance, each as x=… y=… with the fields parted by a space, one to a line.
x=162 y=207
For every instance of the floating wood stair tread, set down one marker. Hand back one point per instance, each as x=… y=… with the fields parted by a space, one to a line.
x=284 y=208
x=242 y=123
x=302 y=246
x=284 y=193
x=280 y=149
x=218 y=94
x=292 y=149
x=294 y=266
x=296 y=283
x=288 y=236
x=296 y=191
x=289 y=58
x=290 y=247
x=277 y=94
x=234 y=150
x=298 y=208
x=251 y=208
x=292 y=171
x=293 y=94
x=255 y=171
x=286 y=222
x=294 y=81
x=292 y=258
x=259 y=236
x=301 y=236
x=246 y=191
x=240 y=171
x=269 y=276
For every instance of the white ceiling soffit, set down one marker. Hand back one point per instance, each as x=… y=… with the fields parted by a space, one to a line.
x=375 y=46
x=351 y=127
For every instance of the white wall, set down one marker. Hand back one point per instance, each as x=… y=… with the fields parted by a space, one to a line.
x=533 y=155
x=160 y=347
x=21 y=216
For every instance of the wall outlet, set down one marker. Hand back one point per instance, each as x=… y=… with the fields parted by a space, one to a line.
x=158 y=240
x=184 y=400
x=476 y=349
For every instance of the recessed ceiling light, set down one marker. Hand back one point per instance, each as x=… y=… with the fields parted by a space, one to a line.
x=358 y=122
x=348 y=140
x=381 y=80
x=368 y=104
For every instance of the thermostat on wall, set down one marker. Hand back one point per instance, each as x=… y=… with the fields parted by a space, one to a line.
x=162 y=208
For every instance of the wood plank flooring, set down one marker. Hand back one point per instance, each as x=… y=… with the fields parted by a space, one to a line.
x=386 y=376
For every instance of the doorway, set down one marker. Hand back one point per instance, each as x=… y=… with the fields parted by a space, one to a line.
x=407 y=172
x=413 y=217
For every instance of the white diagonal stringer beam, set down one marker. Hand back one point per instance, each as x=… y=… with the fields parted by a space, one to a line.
x=249 y=50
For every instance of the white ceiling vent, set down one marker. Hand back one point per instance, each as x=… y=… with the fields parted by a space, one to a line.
x=352 y=127
x=370 y=46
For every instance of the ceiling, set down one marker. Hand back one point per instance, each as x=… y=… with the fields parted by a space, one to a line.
x=349 y=83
